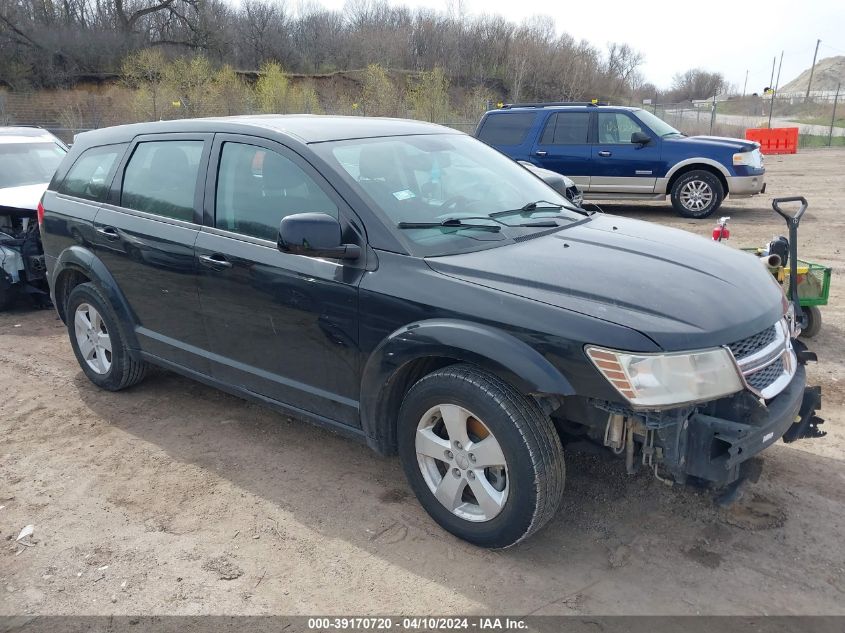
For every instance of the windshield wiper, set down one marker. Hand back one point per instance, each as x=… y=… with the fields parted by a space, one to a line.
x=530 y=208
x=450 y=223
x=459 y=223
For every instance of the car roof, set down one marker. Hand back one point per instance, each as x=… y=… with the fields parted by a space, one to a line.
x=307 y=128
x=558 y=107
x=25 y=134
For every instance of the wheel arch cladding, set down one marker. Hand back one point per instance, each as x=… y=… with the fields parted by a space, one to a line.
x=77 y=265
x=699 y=167
x=419 y=348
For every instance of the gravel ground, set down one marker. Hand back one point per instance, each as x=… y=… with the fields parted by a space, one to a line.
x=173 y=498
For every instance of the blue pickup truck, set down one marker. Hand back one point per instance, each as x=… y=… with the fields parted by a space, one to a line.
x=615 y=152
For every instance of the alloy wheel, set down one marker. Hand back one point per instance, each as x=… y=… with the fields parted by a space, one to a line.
x=696 y=195
x=93 y=338
x=462 y=462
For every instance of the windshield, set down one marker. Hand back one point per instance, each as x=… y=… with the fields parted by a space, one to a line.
x=452 y=179
x=657 y=125
x=28 y=163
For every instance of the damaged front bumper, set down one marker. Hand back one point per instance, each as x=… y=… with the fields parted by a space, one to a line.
x=713 y=446
x=711 y=442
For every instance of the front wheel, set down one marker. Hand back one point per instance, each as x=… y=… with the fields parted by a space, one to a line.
x=697 y=194
x=485 y=462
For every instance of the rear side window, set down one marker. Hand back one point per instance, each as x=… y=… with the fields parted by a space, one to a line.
x=506 y=129
x=566 y=128
x=89 y=176
x=161 y=178
x=257 y=187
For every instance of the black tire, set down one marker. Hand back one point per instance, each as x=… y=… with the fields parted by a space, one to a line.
x=528 y=440
x=124 y=370
x=704 y=179
x=8 y=293
x=814 y=321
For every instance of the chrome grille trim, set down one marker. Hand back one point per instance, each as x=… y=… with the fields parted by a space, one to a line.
x=759 y=368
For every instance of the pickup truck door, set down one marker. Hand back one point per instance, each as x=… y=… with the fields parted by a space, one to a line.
x=563 y=146
x=617 y=165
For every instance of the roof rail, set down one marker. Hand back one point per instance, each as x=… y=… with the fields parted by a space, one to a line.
x=507 y=106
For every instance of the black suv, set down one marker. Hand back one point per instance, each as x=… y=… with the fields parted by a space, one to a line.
x=409 y=286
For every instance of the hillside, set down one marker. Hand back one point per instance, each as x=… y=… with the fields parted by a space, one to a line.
x=829 y=72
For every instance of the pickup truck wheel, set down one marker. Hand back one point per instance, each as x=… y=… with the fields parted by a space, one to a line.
x=485 y=462
x=98 y=340
x=697 y=194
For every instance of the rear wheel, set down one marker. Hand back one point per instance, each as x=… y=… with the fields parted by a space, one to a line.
x=98 y=340
x=697 y=194
x=484 y=461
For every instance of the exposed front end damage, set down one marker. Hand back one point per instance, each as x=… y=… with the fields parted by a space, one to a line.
x=22 y=266
x=715 y=442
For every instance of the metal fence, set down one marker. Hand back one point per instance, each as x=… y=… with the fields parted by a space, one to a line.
x=820 y=121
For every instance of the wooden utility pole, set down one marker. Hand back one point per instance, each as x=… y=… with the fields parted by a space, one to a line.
x=812 y=68
x=745 y=85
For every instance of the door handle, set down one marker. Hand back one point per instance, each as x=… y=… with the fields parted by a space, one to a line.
x=108 y=232
x=216 y=261
x=604 y=153
x=540 y=153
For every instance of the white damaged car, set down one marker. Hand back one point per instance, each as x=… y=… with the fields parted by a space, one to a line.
x=28 y=158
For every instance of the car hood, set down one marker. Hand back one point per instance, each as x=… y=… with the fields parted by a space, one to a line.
x=680 y=290
x=734 y=144
x=24 y=197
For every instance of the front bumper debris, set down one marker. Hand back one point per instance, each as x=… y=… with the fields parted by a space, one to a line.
x=713 y=448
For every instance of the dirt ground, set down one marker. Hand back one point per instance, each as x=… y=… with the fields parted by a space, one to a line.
x=173 y=498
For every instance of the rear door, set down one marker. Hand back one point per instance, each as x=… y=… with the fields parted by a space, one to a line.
x=145 y=236
x=563 y=146
x=617 y=164
x=280 y=325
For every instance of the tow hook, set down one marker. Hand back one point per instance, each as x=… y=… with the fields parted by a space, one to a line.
x=807 y=423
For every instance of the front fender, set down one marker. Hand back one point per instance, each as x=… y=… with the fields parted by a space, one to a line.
x=83 y=260
x=491 y=348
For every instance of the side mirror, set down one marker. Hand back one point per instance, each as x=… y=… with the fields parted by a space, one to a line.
x=314 y=235
x=640 y=138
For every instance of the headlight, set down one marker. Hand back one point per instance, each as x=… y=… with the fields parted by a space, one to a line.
x=664 y=380
x=751 y=159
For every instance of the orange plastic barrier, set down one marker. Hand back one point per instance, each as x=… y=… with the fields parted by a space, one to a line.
x=779 y=140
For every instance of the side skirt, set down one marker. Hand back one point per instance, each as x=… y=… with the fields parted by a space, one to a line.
x=240 y=392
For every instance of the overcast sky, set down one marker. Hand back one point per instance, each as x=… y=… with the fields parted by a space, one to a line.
x=727 y=36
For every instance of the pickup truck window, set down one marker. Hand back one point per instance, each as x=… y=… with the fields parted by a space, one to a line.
x=506 y=129
x=566 y=128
